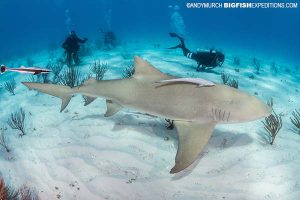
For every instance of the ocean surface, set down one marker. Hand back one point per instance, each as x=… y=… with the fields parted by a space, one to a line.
x=80 y=154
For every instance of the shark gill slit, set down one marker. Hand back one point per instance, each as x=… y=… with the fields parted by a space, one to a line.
x=220 y=115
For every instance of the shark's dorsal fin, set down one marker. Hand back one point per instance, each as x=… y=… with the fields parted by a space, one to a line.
x=192 y=139
x=142 y=69
x=112 y=108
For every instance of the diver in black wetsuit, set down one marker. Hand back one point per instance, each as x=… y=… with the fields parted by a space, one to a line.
x=71 y=45
x=205 y=59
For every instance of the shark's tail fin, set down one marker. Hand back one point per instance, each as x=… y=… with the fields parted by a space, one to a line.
x=61 y=91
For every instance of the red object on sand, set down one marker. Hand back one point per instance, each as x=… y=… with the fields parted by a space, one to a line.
x=25 y=70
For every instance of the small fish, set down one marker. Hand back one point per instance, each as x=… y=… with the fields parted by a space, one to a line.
x=25 y=70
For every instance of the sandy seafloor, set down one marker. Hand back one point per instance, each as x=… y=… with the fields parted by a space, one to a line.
x=80 y=154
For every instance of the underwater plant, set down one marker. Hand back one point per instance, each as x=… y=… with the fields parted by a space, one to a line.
x=270 y=102
x=32 y=78
x=71 y=77
x=128 y=71
x=251 y=76
x=41 y=78
x=256 y=64
x=27 y=193
x=272 y=125
x=233 y=83
x=170 y=124
x=7 y=192
x=17 y=121
x=236 y=61
x=99 y=69
x=44 y=78
x=225 y=78
x=230 y=82
x=3 y=140
x=56 y=69
x=274 y=68
x=2 y=190
x=296 y=120
x=10 y=86
x=23 y=193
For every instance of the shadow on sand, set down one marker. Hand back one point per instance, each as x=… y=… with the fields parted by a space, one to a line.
x=147 y=125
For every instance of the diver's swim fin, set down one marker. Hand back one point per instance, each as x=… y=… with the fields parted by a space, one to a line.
x=175 y=47
x=173 y=35
x=176 y=35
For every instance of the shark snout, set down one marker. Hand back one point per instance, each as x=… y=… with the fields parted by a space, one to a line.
x=262 y=109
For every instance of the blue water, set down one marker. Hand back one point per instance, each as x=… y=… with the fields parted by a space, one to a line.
x=34 y=25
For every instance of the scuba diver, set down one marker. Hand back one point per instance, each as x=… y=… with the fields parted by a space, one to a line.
x=205 y=59
x=71 y=45
x=110 y=40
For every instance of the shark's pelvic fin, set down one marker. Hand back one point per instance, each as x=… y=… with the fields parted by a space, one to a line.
x=88 y=100
x=192 y=139
x=112 y=108
x=142 y=69
x=61 y=91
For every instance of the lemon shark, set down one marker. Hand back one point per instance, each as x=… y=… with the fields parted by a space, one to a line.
x=196 y=105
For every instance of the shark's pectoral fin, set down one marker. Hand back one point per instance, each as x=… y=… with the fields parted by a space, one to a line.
x=192 y=139
x=88 y=100
x=112 y=108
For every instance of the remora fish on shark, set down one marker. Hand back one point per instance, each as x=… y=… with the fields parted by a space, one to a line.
x=195 y=105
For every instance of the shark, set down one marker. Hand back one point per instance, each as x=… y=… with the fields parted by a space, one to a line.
x=195 y=105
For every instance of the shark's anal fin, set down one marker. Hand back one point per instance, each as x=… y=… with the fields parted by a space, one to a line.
x=192 y=139
x=112 y=108
x=88 y=100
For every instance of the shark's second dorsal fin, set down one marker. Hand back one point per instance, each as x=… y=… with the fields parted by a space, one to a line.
x=142 y=69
